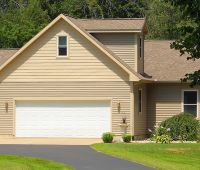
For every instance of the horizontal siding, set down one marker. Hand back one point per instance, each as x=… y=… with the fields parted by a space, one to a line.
x=6 y=117
x=164 y=101
x=140 y=122
x=118 y=91
x=84 y=63
x=87 y=72
x=122 y=44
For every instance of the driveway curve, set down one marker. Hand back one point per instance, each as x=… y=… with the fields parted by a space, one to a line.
x=81 y=157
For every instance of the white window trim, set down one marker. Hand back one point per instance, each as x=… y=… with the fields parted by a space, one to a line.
x=140 y=89
x=182 y=100
x=57 y=46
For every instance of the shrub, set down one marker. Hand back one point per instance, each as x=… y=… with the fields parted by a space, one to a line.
x=126 y=138
x=182 y=127
x=198 y=135
x=160 y=134
x=163 y=139
x=107 y=137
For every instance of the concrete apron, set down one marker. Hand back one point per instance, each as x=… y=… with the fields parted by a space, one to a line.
x=49 y=141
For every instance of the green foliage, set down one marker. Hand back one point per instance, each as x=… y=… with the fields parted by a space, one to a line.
x=198 y=134
x=107 y=137
x=163 y=139
x=161 y=135
x=18 y=25
x=20 y=20
x=162 y=19
x=126 y=138
x=182 y=127
x=189 y=40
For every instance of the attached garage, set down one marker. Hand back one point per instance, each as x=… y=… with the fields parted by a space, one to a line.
x=73 y=119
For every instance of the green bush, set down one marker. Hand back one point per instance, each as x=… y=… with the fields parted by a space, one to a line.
x=160 y=135
x=163 y=139
x=126 y=138
x=181 y=127
x=198 y=135
x=107 y=137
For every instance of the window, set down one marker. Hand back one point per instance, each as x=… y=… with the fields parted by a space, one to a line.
x=62 y=46
x=190 y=102
x=140 y=100
x=140 y=47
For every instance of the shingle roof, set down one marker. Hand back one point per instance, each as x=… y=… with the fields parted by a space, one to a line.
x=121 y=24
x=165 y=64
x=5 y=54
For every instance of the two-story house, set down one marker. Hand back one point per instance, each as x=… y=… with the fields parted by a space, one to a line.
x=78 y=78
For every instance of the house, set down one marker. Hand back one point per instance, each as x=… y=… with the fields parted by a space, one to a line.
x=78 y=78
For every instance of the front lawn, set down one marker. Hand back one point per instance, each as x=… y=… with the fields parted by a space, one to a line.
x=159 y=156
x=12 y=162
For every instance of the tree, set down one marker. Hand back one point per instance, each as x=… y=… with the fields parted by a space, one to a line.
x=111 y=9
x=189 y=40
x=20 y=22
x=162 y=18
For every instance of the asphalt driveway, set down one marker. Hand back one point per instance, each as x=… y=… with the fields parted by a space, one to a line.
x=81 y=157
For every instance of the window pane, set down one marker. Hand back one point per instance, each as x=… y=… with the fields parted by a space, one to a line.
x=191 y=109
x=140 y=100
x=62 y=51
x=140 y=47
x=190 y=97
x=62 y=40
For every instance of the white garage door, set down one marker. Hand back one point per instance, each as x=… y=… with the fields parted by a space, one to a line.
x=62 y=119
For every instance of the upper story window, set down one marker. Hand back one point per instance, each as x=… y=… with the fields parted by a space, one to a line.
x=141 y=47
x=140 y=100
x=62 y=46
x=190 y=102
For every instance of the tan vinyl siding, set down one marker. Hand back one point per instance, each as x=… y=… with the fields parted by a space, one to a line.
x=117 y=91
x=139 y=118
x=122 y=44
x=6 y=117
x=85 y=62
x=164 y=101
x=87 y=72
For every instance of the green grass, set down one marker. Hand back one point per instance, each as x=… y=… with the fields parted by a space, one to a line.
x=13 y=162
x=159 y=156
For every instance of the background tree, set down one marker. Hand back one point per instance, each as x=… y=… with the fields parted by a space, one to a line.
x=162 y=19
x=189 y=40
x=20 y=20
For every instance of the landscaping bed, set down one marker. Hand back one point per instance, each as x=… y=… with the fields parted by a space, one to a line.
x=13 y=162
x=160 y=156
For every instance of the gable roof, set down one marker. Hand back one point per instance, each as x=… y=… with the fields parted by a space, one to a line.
x=118 y=24
x=166 y=64
x=133 y=76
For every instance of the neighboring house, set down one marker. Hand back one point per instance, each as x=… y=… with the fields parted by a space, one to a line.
x=79 y=78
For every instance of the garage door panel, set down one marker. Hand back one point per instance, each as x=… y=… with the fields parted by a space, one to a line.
x=62 y=119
